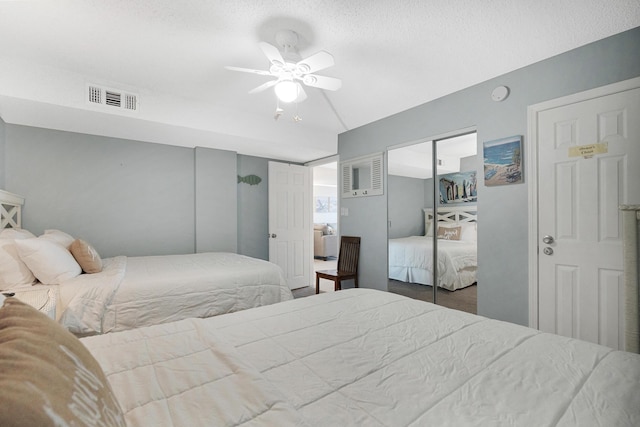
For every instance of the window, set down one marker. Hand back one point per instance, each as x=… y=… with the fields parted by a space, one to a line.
x=326 y=204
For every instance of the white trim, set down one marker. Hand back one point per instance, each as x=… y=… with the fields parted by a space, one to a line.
x=439 y=137
x=532 y=166
x=323 y=161
x=10 y=198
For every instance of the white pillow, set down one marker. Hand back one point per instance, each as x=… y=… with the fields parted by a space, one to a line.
x=59 y=237
x=15 y=233
x=49 y=261
x=469 y=231
x=13 y=271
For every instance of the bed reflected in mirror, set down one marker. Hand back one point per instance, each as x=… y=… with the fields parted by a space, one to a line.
x=414 y=232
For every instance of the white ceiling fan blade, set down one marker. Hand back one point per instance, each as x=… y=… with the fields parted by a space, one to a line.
x=322 y=82
x=302 y=95
x=248 y=70
x=264 y=86
x=272 y=53
x=316 y=62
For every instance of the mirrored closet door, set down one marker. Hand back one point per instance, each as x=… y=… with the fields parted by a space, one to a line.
x=432 y=215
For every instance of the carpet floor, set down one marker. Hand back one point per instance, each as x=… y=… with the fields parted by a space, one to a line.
x=463 y=299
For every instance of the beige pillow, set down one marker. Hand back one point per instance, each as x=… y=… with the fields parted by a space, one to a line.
x=47 y=377
x=87 y=256
x=449 y=233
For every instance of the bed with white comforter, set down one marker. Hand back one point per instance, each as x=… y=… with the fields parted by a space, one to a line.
x=366 y=358
x=131 y=292
x=121 y=293
x=411 y=260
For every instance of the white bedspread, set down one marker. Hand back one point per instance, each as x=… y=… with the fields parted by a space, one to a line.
x=132 y=292
x=360 y=357
x=411 y=260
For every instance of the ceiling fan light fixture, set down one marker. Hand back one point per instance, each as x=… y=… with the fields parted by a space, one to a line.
x=291 y=73
x=286 y=90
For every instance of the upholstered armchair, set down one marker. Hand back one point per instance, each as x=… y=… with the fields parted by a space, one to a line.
x=325 y=243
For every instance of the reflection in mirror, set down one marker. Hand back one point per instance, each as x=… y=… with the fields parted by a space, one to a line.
x=410 y=189
x=361 y=176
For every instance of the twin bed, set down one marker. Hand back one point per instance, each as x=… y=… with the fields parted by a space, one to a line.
x=139 y=291
x=356 y=357
x=130 y=292
x=411 y=258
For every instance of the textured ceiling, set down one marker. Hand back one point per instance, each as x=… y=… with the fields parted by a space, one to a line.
x=390 y=55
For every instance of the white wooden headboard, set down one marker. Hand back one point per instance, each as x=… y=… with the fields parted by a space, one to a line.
x=454 y=214
x=10 y=210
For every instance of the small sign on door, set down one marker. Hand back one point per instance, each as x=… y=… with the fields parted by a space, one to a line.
x=588 y=151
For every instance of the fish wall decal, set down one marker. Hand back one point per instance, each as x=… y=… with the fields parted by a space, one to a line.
x=250 y=179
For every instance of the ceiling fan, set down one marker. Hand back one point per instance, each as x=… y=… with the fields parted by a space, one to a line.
x=289 y=69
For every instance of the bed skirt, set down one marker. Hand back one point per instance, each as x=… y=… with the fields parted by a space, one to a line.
x=466 y=277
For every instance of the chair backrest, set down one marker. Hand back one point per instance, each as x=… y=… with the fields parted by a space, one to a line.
x=349 y=254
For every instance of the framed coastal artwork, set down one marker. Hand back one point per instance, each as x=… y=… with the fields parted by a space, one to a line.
x=503 y=161
x=458 y=187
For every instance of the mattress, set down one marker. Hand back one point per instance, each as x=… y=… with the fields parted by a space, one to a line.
x=364 y=357
x=132 y=292
x=411 y=260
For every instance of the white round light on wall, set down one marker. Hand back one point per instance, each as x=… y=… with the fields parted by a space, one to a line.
x=500 y=93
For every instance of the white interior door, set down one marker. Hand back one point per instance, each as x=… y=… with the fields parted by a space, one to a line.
x=588 y=165
x=290 y=216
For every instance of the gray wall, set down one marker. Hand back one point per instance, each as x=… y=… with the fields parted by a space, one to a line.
x=502 y=211
x=2 y=156
x=124 y=197
x=406 y=201
x=136 y=198
x=216 y=203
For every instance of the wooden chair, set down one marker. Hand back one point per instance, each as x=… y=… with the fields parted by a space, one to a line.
x=347 y=264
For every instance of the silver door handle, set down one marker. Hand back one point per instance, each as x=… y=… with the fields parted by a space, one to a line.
x=548 y=239
x=273 y=236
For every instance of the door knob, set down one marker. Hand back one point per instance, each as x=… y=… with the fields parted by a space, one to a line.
x=548 y=251
x=548 y=239
x=274 y=236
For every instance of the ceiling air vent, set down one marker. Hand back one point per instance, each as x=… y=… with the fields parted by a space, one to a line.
x=112 y=99
x=130 y=102
x=95 y=95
